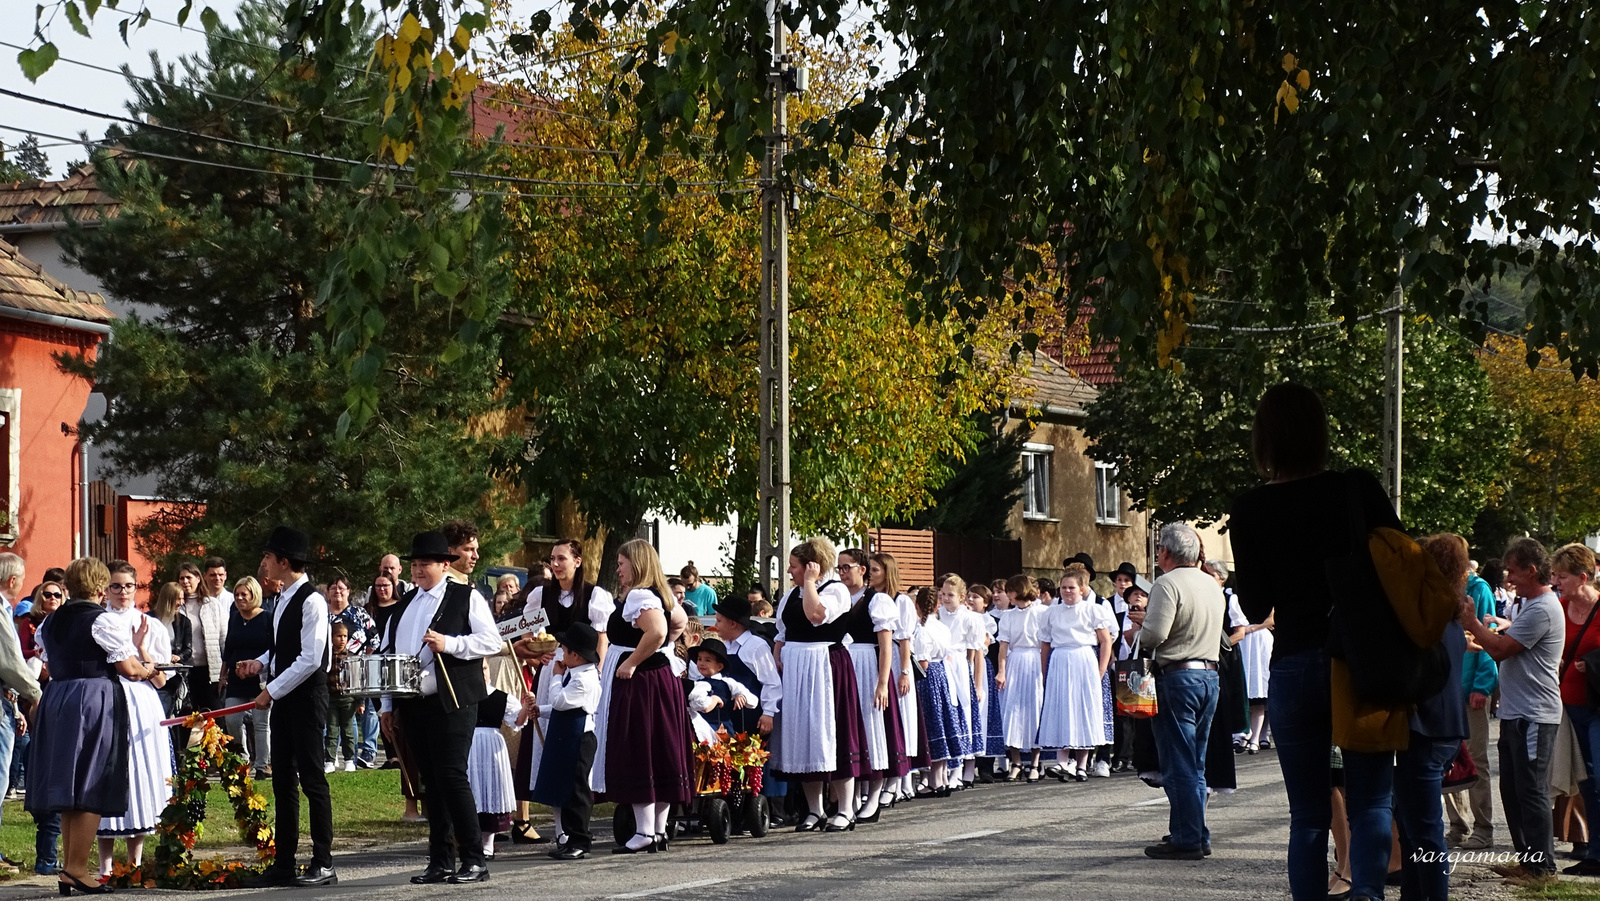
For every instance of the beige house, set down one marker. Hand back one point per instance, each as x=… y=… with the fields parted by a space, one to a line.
x=1071 y=503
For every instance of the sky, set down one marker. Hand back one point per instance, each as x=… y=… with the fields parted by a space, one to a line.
x=89 y=88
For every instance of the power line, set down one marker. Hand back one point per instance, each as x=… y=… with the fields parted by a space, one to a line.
x=1293 y=328
x=508 y=179
x=534 y=195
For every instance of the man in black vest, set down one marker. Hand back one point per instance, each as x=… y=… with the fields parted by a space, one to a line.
x=448 y=627
x=297 y=693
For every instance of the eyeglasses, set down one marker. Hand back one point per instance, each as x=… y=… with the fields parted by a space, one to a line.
x=848 y=566
x=51 y=595
x=120 y=586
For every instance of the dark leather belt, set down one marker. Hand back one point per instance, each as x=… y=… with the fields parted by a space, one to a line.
x=1188 y=665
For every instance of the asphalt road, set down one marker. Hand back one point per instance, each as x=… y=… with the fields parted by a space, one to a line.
x=1013 y=842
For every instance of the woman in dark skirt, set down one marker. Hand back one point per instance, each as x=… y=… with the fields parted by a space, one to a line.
x=647 y=760
x=78 y=763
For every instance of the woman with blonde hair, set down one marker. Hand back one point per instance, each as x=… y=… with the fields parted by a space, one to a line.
x=249 y=638
x=647 y=758
x=883 y=574
x=820 y=737
x=180 y=636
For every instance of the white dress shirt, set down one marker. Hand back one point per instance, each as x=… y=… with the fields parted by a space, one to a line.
x=483 y=641
x=753 y=651
x=315 y=652
x=578 y=689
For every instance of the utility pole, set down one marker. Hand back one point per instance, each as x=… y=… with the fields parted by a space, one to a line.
x=772 y=533
x=1393 y=397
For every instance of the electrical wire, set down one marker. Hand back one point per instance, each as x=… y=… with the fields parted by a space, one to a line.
x=507 y=179
x=533 y=195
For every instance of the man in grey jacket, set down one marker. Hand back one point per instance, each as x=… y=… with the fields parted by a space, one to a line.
x=1183 y=628
x=20 y=685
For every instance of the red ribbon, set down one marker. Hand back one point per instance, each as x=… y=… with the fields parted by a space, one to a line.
x=211 y=714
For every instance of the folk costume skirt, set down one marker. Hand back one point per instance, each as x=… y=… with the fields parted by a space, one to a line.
x=78 y=759
x=910 y=713
x=1073 y=704
x=149 y=764
x=948 y=724
x=602 y=717
x=864 y=663
x=1023 y=699
x=489 y=772
x=648 y=758
x=994 y=734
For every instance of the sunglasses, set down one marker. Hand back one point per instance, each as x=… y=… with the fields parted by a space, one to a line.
x=52 y=595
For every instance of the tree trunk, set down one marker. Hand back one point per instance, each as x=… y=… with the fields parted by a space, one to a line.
x=744 y=555
x=615 y=537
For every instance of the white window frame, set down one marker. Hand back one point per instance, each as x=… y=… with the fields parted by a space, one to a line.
x=1107 y=495
x=11 y=409
x=1032 y=457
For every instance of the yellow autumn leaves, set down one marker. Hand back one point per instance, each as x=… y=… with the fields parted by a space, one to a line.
x=1289 y=91
x=408 y=57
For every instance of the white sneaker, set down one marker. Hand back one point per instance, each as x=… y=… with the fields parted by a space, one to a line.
x=328 y=767
x=350 y=766
x=1102 y=769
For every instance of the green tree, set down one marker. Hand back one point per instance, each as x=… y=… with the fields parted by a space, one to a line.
x=983 y=488
x=231 y=392
x=29 y=163
x=1181 y=440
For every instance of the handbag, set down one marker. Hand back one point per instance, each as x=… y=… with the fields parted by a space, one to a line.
x=1463 y=773
x=1135 y=693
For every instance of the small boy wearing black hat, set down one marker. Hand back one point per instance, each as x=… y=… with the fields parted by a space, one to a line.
x=722 y=699
x=569 y=743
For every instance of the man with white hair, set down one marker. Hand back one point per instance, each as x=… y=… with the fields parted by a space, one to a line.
x=1183 y=629
x=14 y=673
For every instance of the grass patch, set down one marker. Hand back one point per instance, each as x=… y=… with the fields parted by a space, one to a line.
x=366 y=810
x=1582 y=890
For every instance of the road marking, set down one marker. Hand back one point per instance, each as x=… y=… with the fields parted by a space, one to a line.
x=682 y=886
x=1150 y=803
x=962 y=837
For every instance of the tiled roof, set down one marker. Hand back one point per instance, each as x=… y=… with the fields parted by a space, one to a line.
x=1094 y=363
x=1048 y=383
x=24 y=285
x=47 y=204
x=492 y=107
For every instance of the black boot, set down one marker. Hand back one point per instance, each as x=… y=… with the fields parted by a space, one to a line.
x=985 y=770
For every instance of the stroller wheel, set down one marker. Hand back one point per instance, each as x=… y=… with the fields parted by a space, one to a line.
x=717 y=818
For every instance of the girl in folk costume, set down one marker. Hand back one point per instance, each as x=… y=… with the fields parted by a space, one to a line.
x=967 y=635
x=873 y=619
x=647 y=755
x=1019 y=676
x=1075 y=649
x=945 y=713
x=1254 y=641
x=566 y=599
x=140 y=636
x=489 y=764
x=992 y=737
x=820 y=736
x=883 y=574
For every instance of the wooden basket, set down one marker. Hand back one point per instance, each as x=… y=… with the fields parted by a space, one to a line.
x=541 y=646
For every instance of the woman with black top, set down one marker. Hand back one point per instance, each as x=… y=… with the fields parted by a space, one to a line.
x=647 y=762
x=873 y=618
x=249 y=637
x=79 y=757
x=819 y=736
x=1300 y=520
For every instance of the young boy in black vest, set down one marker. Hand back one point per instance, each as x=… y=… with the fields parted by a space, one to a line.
x=448 y=627
x=297 y=693
x=569 y=743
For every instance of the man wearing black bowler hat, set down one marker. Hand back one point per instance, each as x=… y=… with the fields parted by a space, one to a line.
x=297 y=693
x=447 y=626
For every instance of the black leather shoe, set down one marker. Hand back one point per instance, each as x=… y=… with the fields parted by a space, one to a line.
x=317 y=876
x=568 y=852
x=432 y=876
x=1584 y=868
x=469 y=875
x=271 y=877
x=1205 y=847
x=1165 y=851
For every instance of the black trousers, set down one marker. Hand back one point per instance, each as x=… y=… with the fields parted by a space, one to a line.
x=202 y=691
x=439 y=742
x=575 y=816
x=298 y=719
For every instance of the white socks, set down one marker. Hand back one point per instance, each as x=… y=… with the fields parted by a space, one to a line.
x=870 y=806
x=644 y=825
x=488 y=844
x=939 y=775
x=844 y=795
x=814 y=798
x=969 y=772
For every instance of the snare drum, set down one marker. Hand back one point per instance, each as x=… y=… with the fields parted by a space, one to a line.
x=371 y=675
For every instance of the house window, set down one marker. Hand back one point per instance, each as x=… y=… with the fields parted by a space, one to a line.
x=1107 y=496
x=1036 y=480
x=10 y=460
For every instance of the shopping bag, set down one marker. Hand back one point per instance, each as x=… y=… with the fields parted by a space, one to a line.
x=1136 y=686
x=1463 y=774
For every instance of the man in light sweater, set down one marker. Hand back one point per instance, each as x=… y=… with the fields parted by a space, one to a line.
x=15 y=676
x=1183 y=628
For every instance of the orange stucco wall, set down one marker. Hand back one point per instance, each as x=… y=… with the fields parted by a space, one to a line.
x=48 y=502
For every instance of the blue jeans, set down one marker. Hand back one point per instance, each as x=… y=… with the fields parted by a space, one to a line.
x=1186 y=701
x=46 y=836
x=8 y=739
x=1300 y=710
x=1586 y=723
x=1419 y=815
x=367 y=726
